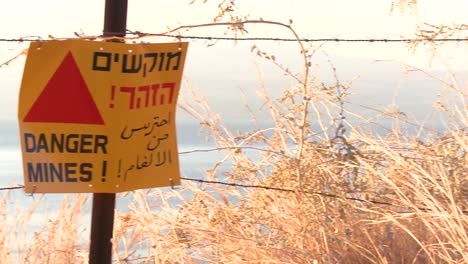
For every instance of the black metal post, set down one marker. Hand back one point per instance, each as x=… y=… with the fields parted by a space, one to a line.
x=102 y=218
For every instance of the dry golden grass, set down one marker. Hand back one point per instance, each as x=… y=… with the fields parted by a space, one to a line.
x=395 y=197
x=56 y=240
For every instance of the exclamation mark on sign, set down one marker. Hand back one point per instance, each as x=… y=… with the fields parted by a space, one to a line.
x=120 y=165
x=104 y=170
x=111 y=105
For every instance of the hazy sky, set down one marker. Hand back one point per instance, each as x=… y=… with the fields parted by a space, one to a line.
x=226 y=62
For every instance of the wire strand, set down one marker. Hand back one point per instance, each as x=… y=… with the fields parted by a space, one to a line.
x=12 y=188
x=137 y=35
x=328 y=195
x=308 y=39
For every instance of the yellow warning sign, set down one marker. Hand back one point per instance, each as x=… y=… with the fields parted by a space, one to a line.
x=99 y=116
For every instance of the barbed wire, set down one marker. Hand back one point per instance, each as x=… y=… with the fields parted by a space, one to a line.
x=310 y=39
x=323 y=194
x=12 y=188
x=138 y=35
x=271 y=188
x=258 y=187
x=330 y=195
x=234 y=148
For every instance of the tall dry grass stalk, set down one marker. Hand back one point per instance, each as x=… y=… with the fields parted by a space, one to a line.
x=29 y=236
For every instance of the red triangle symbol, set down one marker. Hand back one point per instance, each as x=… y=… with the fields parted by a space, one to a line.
x=65 y=99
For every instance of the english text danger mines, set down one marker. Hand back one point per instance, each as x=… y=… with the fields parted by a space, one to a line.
x=62 y=143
